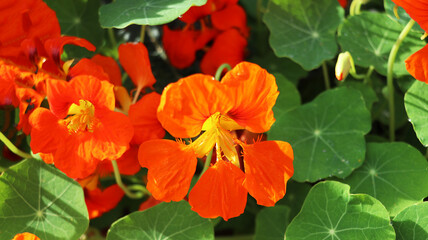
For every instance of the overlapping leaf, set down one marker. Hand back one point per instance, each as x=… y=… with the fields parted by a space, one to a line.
x=288 y=98
x=394 y=173
x=331 y=212
x=324 y=139
x=416 y=103
x=403 y=17
x=304 y=30
x=122 y=13
x=369 y=38
x=38 y=198
x=271 y=223
x=172 y=220
x=412 y=222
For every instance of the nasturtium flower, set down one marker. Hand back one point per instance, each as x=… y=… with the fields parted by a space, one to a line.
x=100 y=201
x=222 y=22
x=417 y=63
x=199 y=106
x=25 y=236
x=343 y=3
x=80 y=129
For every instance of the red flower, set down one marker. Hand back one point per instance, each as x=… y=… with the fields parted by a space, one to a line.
x=101 y=201
x=80 y=129
x=343 y=3
x=242 y=100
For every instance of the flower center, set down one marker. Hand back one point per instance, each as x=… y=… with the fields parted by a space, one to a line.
x=217 y=132
x=80 y=117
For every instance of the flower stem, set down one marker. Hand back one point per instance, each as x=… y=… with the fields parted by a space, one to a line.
x=142 y=33
x=112 y=37
x=207 y=163
x=12 y=147
x=220 y=70
x=136 y=195
x=367 y=79
x=325 y=74
x=390 y=74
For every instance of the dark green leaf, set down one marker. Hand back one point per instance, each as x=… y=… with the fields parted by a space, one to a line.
x=37 y=198
x=368 y=93
x=304 y=30
x=288 y=98
x=271 y=223
x=330 y=212
x=369 y=38
x=394 y=173
x=122 y=13
x=403 y=19
x=172 y=220
x=327 y=135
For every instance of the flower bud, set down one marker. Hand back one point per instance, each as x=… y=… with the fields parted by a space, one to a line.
x=344 y=65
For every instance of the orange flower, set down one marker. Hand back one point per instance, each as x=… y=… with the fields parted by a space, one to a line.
x=80 y=129
x=25 y=236
x=242 y=100
x=101 y=201
x=416 y=64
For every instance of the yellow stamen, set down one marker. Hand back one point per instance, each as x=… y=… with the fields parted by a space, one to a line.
x=81 y=117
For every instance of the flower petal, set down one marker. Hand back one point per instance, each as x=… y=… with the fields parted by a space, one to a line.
x=111 y=136
x=134 y=58
x=417 y=64
x=180 y=46
x=254 y=93
x=171 y=168
x=25 y=236
x=143 y=117
x=87 y=67
x=232 y=16
x=29 y=101
x=128 y=163
x=268 y=167
x=44 y=124
x=110 y=67
x=99 y=93
x=187 y=103
x=417 y=9
x=54 y=46
x=101 y=201
x=228 y=47
x=219 y=192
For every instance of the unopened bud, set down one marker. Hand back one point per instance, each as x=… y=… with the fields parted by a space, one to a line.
x=344 y=65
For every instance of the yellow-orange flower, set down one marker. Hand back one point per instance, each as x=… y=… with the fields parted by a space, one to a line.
x=198 y=103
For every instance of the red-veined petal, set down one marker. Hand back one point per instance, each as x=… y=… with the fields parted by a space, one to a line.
x=254 y=93
x=186 y=104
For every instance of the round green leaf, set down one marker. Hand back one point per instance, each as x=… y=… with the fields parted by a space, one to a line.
x=416 y=103
x=37 y=198
x=304 y=30
x=366 y=91
x=412 y=222
x=78 y=18
x=288 y=98
x=172 y=220
x=330 y=212
x=121 y=13
x=369 y=38
x=327 y=135
x=394 y=173
x=271 y=223
x=404 y=17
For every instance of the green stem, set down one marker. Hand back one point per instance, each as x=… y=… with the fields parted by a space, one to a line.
x=389 y=77
x=142 y=33
x=138 y=194
x=12 y=147
x=220 y=70
x=367 y=79
x=325 y=74
x=112 y=37
x=207 y=163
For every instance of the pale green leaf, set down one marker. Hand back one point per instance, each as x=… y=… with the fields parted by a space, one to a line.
x=416 y=103
x=412 y=222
